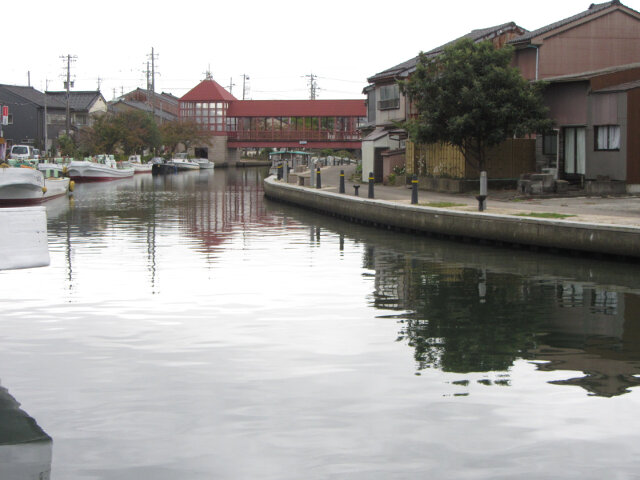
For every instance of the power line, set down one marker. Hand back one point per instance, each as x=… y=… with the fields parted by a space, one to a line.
x=341 y=80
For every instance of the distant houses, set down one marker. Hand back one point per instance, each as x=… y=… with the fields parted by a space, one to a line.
x=163 y=106
x=27 y=121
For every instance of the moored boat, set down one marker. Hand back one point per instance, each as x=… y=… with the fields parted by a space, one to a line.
x=55 y=167
x=138 y=167
x=100 y=169
x=204 y=163
x=183 y=162
x=27 y=186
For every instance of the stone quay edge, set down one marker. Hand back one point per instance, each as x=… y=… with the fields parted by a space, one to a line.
x=616 y=240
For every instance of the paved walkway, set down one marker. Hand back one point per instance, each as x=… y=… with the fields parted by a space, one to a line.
x=605 y=210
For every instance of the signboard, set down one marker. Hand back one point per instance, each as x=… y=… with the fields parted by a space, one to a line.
x=5 y=115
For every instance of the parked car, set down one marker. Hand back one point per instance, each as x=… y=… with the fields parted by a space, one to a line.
x=21 y=152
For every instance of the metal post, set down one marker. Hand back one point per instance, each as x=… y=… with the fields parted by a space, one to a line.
x=371 y=178
x=285 y=172
x=318 y=179
x=279 y=171
x=341 y=181
x=312 y=177
x=483 y=192
x=414 y=190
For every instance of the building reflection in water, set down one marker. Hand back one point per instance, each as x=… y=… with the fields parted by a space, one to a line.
x=468 y=309
x=466 y=318
x=25 y=449
x=462 y=308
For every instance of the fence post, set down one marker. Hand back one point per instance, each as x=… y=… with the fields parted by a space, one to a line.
x=341 y=181
x=414 y=190
x=371 y=179
x=483 y=192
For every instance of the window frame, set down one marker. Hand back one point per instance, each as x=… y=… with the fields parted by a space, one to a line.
x=609 y=137
x=554 y=137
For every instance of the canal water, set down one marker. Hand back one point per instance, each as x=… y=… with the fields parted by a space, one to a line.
x=187 y=328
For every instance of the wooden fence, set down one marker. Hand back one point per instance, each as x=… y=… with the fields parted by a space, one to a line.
x=507 y=160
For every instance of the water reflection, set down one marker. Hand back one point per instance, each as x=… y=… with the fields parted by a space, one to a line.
x=25 y=449
x=465 y=308
x=202 y=206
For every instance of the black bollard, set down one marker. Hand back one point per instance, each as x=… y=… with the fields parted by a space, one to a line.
x=414 y=190
x=371 y=184
x=355 y=190
x=280 y=172
x=318 y=179
x=341 y=181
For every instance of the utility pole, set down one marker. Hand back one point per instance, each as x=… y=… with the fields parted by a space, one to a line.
x=46 y=137
x=313 y=86
x=152 y=90
x=245 y=77
x=231 y=85
x=68 y=59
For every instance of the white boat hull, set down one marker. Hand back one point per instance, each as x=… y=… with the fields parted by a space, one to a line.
x=185 y=165
x=26 y=186
x=87 y=171
x=205 y=164
x=141 y=167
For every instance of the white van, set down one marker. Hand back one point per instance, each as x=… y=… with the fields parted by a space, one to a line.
x=21 y=152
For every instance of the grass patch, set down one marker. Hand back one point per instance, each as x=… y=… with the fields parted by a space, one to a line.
x=544 y=215
x=443 y=204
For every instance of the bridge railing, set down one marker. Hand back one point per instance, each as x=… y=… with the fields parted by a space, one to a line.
x=294 y=135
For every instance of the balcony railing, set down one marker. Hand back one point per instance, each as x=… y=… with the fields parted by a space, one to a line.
x=389 y=104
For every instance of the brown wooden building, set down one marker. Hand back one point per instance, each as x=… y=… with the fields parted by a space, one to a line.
x=597 y=115
x=605 y=35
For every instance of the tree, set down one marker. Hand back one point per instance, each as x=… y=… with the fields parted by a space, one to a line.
x=185 y=132
x=471 y=97
x=130 y=132
x=67 y=146
x=138 y=131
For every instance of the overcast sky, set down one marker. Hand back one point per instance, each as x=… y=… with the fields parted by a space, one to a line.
x=276 y=43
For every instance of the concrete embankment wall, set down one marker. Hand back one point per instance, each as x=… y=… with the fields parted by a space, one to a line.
x=544 y=233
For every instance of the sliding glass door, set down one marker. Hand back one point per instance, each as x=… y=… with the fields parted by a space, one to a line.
x=575 y=146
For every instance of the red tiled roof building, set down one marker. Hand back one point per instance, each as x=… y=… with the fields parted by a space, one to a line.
x=235 y=124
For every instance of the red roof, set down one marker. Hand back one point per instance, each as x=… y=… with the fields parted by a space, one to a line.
x=207 y=91
x=297 y=108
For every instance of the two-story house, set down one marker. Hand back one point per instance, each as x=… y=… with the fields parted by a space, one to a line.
x=590 y=61
x=383 y=145
x=567 y=53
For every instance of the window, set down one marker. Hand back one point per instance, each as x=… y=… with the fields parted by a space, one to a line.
x=389 y=97
x=371 y=106
x=550 y=144
x=607 y=137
